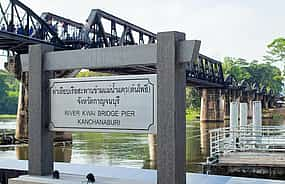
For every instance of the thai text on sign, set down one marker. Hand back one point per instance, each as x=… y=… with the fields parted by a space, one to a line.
x=104 y=104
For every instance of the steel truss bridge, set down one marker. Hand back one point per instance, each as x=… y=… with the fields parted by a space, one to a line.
x=21 y=27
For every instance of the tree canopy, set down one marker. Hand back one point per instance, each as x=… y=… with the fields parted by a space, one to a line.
x=276 y=50
x=9 y=90
x=87 y=73
x=262 y=73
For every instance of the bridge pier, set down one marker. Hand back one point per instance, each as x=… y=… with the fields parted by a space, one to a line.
x=229 y=96
x=271 y=102
x=211 y=106
x=258 y=97
x=152 y=145
x=243 y=97
x=261 y=99
x=266 y=102
x=22 y=112
x=205 y=135
x=227 y=100
x=250 y=101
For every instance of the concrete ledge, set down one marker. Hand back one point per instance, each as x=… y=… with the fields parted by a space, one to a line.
x=121 y=174
x=68 y=179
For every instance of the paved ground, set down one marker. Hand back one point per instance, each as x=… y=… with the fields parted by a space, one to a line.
x=115 y=175
x=192 y=179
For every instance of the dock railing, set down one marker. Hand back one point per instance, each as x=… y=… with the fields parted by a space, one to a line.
x=246 y=139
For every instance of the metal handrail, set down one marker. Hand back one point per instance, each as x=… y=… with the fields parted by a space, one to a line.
x=246 y=139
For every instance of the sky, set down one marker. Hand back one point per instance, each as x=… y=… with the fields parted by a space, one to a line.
x=235 y=28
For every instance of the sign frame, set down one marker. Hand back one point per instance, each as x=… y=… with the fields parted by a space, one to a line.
x=169 y=55
x=150 y=78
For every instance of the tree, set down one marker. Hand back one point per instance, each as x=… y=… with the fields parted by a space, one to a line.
x=9 y=90
x=263 y=73
x=3 y=87
x=276 y=50
x=236 y=68
x=87 y=73
x=193 y=99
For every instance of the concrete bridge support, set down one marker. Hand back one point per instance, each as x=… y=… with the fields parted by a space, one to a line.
x=259 y=97
x=250 y=106
x=244 y=97
x=227 y=100
x=265 y=102
x=264 y=99
x=212 y=107
x=152 y=145
x=22 y=112
x=229 y=96
x=271 y=102
x=205 y=135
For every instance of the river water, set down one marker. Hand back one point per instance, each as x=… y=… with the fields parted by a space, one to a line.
x=114 y=149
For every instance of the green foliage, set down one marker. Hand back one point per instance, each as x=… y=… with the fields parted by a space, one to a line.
x=86 y=73
x=236 y=68
x=276 y=50
x=263 y=73
x=193 y=103
x=8 y=116
x=193 y=100
x=277 y=117
x=9 y=90
x=192 y=114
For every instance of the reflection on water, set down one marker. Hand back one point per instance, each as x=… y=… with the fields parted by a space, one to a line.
x=61 y=154
x=205 y=135
x=128 y=150
x=7 y=124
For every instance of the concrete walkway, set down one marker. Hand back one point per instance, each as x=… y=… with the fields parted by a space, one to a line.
x=139 y=176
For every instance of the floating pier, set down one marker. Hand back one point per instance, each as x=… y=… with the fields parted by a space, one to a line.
x=250 y=164
x=247 y=152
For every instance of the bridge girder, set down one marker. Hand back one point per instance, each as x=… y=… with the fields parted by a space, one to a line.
x=102 y=30
x=22 y=27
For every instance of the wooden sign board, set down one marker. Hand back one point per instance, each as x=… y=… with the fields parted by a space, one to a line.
x=104 y=104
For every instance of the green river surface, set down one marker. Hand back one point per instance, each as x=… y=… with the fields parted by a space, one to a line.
x=117 y=149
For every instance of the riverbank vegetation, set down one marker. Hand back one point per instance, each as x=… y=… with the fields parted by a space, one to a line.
x=192 y=114
x=9 y=89
x=193 y=103
x=8 y=116
x=262 y=73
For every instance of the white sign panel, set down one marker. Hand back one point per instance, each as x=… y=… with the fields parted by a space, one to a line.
x=104 y=104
